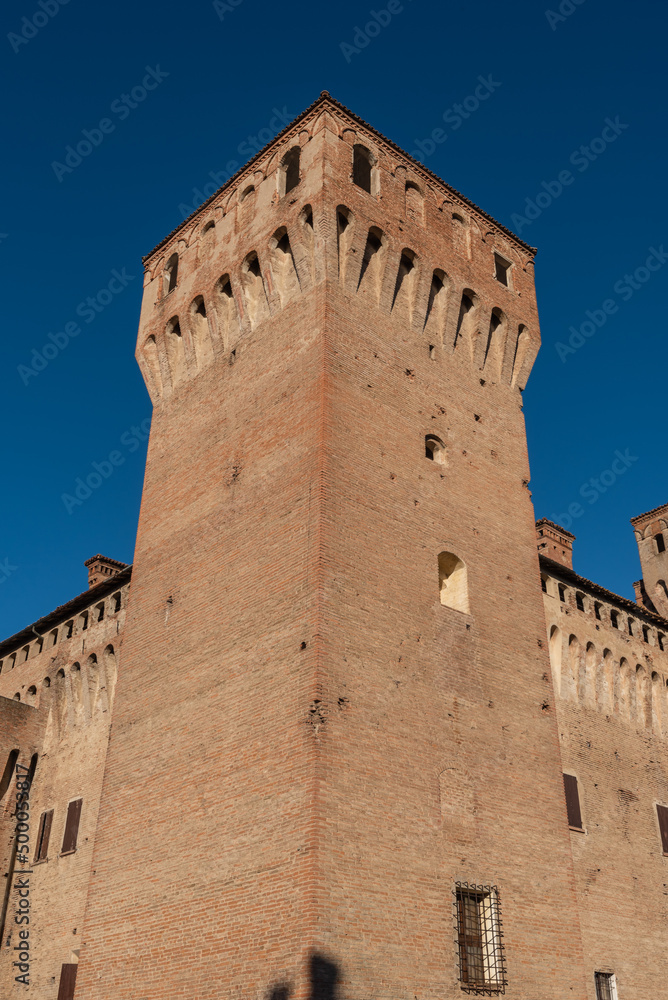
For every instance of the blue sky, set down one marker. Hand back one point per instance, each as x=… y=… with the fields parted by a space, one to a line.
x=212 y=78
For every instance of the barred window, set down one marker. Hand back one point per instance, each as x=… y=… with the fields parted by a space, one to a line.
x=478 y=921
x=605 y=986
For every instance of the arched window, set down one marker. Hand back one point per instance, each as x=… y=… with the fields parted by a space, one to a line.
x=247 y=192
x=555 y=648
x=290 y=175
x=435 y=449
x=171 y=273
x=363 y=168
x=452 y=582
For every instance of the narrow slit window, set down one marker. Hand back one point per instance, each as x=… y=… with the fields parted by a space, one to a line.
x=579 y=601
x=72 y=827
x=362 y=168
x=572 y=801
x=171 y=273
x=502 y=270
x=660 y=543
x=662 y=815
x=597 y=611
x=290 y=165
x=562 y=594
x=43 y=835
x=481 y=963
x=614 y=619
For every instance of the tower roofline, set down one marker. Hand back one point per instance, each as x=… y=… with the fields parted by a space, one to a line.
x=639 y=518
x=324 y=100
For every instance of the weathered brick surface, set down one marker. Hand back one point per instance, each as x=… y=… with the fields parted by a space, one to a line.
x=613 y=722
x=276 y=801
x=67 y=726
x=309 y=749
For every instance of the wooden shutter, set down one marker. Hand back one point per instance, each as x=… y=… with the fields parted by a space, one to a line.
x=71 y=826
x=572 y=801
x=68 y=978
x=43 y=836
x=662 y=813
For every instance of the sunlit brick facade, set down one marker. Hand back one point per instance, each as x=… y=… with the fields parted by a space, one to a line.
x=343 y=703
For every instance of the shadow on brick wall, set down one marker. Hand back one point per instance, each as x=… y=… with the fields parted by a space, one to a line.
x=323 y=975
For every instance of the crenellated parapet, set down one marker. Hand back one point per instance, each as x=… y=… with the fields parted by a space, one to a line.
x=332 y=201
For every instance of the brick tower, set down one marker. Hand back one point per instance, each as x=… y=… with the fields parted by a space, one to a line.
x=334 y=767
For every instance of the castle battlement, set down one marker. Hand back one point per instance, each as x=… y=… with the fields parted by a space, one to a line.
x=331 y=199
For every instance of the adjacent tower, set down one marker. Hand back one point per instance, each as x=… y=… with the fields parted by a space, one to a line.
x=334 y=768
x=651 y=531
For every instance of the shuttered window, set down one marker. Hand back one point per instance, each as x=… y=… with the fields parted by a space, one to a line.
x=43 y=836
x=572 y=801
x=71 y=826
x=68 y=978
x=662 y=813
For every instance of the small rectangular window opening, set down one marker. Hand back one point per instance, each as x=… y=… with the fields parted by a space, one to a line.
x=605 y=986
x=543 y=584
x=579 y=601
x=597 y=611
x=72 y=827
x=562 y=593
x=41 y=853
x=502 y=270
x=481 y=965
x=572 y=801
x=662 y=815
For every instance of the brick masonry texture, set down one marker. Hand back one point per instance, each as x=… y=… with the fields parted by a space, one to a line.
x=309 y=749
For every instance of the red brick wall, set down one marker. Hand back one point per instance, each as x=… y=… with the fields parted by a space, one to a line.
x=265 y=800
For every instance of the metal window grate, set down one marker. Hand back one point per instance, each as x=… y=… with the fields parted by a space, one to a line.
x=479 y=945
x=605 y=986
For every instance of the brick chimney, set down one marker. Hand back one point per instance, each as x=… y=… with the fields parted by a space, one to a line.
x=100 y=569
x=555 y=542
